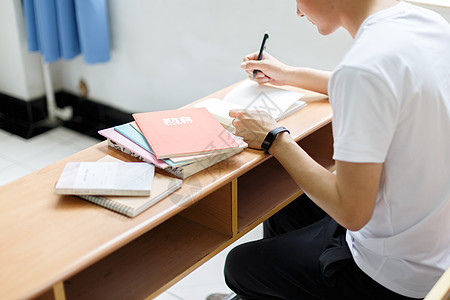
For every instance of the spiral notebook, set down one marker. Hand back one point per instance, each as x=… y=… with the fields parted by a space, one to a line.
x=162 y=187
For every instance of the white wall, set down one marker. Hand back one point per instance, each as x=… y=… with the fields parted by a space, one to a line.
x=444 y=11
x=20 y=71
x=169 y=53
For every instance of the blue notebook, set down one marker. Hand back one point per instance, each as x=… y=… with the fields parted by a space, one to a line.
x=131 y=133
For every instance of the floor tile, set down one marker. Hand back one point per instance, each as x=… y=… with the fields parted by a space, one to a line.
x=168 y=296
x=5 y=163
x=82 y=142
x=4 y=134
x=19 y=149
x=209 y=273
x=13 y=172
x=40 y=160
x=40 y=151
x=62 y=135
x=200 y=293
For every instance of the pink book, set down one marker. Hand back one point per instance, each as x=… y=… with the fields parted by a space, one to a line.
x=184 y=132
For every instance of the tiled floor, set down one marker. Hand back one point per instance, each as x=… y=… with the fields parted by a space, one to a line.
x=19 y=157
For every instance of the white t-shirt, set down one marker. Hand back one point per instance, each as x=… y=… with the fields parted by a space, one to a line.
x=391 y=102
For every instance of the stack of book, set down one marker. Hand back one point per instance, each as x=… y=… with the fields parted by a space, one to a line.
x=181 y=142
x=126 y=188
x=186 y=141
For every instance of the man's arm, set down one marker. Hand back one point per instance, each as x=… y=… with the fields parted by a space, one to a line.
x=309 y=79
x=348 y=197
x=275 y=72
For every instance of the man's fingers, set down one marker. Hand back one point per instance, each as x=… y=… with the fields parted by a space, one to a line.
x=249 y=72
x=259 y=79
x=251 y=56
x=253 y=65
x=236 y=113
x=260 y=75
x=262 y=80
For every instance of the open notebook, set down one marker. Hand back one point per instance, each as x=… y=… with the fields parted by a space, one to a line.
x=277 y=102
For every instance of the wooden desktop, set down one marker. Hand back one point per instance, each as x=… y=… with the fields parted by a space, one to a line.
x=61 y=247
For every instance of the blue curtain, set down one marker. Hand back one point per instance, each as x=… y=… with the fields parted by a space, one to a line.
x=66 y=28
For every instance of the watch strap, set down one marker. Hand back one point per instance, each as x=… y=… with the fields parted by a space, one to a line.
x=271 y=136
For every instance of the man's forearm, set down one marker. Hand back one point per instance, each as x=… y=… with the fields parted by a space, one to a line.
x=309 y=79
x=349 y=198
x=317 y=182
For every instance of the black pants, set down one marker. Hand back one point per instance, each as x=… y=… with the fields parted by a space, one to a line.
x=303 y=255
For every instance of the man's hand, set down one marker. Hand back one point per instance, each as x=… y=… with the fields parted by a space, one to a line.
x=275 y=72
x=270 y=69
x=252 y=125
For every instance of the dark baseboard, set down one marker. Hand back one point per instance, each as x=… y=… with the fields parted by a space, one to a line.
x=89 y=116
x=29 y=118
x=23 y=118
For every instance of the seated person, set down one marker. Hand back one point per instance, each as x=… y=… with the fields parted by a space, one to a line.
x=379 y=227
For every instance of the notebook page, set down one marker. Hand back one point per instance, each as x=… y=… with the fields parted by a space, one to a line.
x=253 y=96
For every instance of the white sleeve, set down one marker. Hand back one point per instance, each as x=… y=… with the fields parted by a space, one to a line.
x=365 y=115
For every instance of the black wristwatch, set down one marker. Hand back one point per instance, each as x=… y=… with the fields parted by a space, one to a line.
x=271 y=137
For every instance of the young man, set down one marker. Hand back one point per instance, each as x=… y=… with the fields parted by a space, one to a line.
x=379 y=228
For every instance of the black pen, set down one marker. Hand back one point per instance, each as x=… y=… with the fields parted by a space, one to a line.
x=261 y=50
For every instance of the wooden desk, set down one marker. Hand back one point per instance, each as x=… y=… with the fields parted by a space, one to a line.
x=63 y=247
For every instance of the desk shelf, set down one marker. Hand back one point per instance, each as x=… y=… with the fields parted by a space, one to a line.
x=268 y=187
x=319 y=146
x=147 y=265
x=259 y=193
